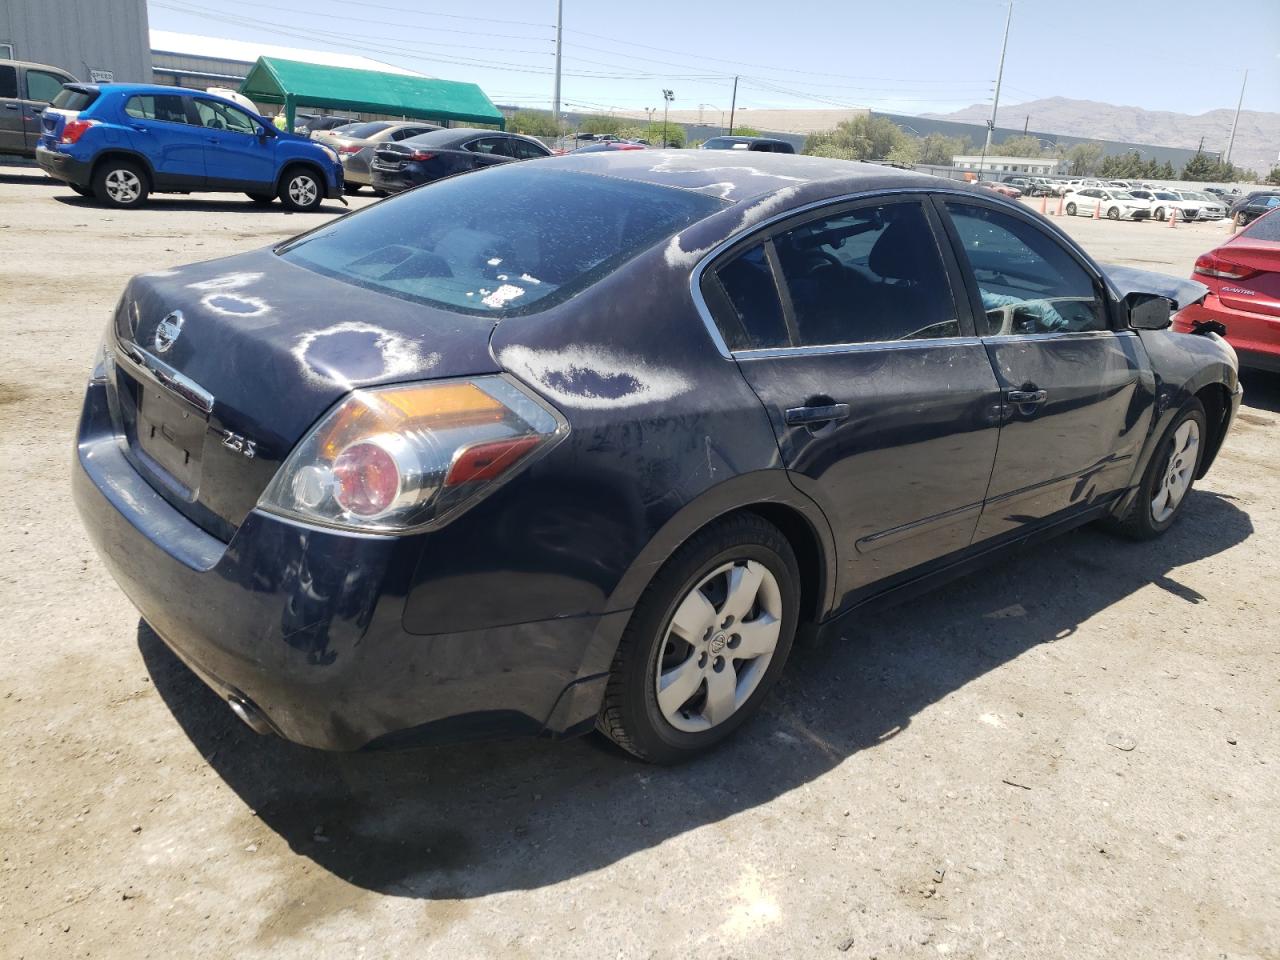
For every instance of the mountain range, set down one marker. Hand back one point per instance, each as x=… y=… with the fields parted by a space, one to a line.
x=1257 y=136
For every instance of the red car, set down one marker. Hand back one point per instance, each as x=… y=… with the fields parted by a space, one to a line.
x=1243 y=277
x=1001 y=188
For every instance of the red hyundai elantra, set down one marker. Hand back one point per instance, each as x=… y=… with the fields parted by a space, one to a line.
x=1243 y=277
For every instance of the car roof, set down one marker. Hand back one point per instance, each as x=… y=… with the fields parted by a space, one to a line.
x=741 y=175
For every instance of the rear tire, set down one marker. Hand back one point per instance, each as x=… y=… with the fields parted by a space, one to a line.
x=261 y=199
x=120 y=183
x=1168 y=479
x=1071 y=209
x=301 y=190
x=1160 y=214
x=739 y=572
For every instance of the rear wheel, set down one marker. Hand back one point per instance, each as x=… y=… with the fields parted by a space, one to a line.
x=1071 y=209
x=120 y=183
x=705 y=644
x=1168 y=478
x=1160 y=213
x=301 y=190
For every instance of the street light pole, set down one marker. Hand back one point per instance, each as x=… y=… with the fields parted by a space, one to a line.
x=667 y=97
x=733 y=105
x=995 y=104
x=555 y=102
x=1231 y=142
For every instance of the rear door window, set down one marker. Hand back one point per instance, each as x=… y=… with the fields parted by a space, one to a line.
x=8 y=82
x=494 y=145
x=514 y=240
x=524 y=150
x=164 y=107
x=218 y=116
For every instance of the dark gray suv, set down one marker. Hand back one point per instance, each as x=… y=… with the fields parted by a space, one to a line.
x=25 y=90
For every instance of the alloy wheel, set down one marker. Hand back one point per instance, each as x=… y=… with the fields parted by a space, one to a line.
x=718 y=645
x=123 y=186
x=303 y=190
x=1176 y=481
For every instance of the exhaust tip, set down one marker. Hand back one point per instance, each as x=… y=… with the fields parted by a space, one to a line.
x=247 y=711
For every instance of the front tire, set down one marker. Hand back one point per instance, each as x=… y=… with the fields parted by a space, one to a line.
x=706 y=642
x=1071 y=209
x=1113 y=213
x=1160 y=214
x=120 y=183
x=301 y=190
x=1168 y=478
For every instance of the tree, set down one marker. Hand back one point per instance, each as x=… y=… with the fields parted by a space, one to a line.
x=1167 y=172
x=673 y=136
x=745 y=131
x=1200 y=167
x=1274 y=176
x=906 y=152
x=535 y=123
x=863 y=138
x=1084 y=159
x=938 y=149
x=600 y=124
x=1027 y=146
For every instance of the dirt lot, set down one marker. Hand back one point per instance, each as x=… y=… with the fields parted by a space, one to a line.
x=1072 y=754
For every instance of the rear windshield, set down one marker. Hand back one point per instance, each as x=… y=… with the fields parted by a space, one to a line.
x=359 y=131
x=1264 y=228
x=499 y=242
x=77 y=100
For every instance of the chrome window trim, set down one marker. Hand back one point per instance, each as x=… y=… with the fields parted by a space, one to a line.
x=695 y=276
x=873 y=346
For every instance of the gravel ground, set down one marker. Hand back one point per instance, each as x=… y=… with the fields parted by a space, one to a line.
x=1071 y=754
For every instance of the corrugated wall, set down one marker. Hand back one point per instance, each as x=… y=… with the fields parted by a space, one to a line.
x=81 y=36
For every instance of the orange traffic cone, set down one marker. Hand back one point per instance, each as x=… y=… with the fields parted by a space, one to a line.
x=1060 y=200
x=1044 y=204
x=1097 y=211
x=1234 y=224
x=1173 y=217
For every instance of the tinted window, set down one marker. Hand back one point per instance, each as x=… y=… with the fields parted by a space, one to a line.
x=750 y=315
x=1028 y=282
x=164 y=107
x=73 y=99
x=866 y=276
x=405 y=132
x=43 y=86
x=515 y=240
x=494 y=145
x=524 y=150
x=362 y=131
x=8 y=82
x=219 y=116
x=1266 y=227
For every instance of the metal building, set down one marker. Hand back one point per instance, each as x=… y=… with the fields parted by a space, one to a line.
x=102 y=40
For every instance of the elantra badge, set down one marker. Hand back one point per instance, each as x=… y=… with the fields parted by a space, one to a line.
x=167 y=331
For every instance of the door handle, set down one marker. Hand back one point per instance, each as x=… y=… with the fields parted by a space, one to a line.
x=11 y=106
x=798 y=416
x=1026 y=396
x=140 y=128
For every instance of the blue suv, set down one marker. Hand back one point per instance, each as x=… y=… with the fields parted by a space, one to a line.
x=119 y=142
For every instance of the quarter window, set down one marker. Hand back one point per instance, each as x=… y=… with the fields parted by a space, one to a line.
x=1027 y=281
x=750 y=315
x=164 y=107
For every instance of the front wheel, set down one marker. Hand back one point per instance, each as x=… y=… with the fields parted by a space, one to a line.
x=1168 y=478
x=120 y=183
x=1160 y=213
x=301 y=191
x=1071 y=209
x=1113 y=213
x=706 y=642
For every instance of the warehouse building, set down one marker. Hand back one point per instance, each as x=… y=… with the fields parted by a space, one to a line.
x=105 y=40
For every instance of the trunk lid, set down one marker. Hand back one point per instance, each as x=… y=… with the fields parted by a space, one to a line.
x=210 y=402
x=1256 y=294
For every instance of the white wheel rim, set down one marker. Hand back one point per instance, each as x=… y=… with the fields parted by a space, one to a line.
x=718 y=646
x=123 y=186
x=302 y=191
x=1176 y=479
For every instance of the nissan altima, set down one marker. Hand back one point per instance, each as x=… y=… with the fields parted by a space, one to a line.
x=587 y=442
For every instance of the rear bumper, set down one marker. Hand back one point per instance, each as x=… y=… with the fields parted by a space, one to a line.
x=390 y=181
x=306 y=625
x=64 y=167
x=1254 y=336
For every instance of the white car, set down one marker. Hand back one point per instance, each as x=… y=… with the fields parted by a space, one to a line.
x=1110 y=202
x=1211 y=207
x=1164 y=202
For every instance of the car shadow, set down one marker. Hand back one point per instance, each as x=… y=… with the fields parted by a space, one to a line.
x=465 y=821
x=1261 y=389
x=163 y=202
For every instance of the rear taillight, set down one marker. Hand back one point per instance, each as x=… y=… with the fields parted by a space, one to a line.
x=1213 y=265
x=422 y=155
x=74 y=130
x=349 y=148
x=394 y=459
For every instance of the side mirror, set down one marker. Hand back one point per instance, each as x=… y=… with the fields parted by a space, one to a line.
x=1147 y=311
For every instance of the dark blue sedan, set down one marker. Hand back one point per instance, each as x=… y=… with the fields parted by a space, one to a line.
x=587 y=442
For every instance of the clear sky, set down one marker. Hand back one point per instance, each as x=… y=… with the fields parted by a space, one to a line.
x=908 y=56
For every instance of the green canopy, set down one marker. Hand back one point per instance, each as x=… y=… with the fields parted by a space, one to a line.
x=294 y=84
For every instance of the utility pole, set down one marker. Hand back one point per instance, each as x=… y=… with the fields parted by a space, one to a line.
x=667 y=97
x=995 y=105
x=1239 y=103
x=1026 y=123
x=733 y=105
x=555 y=102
